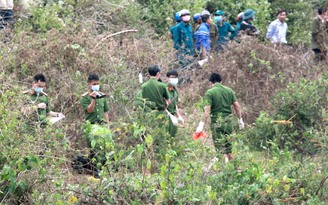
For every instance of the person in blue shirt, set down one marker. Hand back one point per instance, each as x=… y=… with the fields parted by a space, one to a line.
x=183 y=39
x=202 y=37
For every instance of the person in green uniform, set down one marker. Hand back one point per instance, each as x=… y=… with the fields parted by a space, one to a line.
x=172 y=79
x=183 y=39
x=94 y=103
x=38 y=107
x=96 y=111
x=154 y=92
x=214 y=35
x=156 y=99
x=224 y=29
x=218 y=102
x=319 y=35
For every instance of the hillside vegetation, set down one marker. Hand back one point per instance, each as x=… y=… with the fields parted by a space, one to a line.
x=280 y=155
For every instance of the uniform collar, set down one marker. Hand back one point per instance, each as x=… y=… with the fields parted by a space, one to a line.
x=184 y=23
x=170 y=87
x=151 y=78
x=218 y=85
x=207 y=25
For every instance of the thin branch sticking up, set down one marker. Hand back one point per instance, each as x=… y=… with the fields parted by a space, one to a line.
x=114 y=34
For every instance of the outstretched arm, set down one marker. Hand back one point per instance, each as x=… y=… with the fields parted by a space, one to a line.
x=236 y=106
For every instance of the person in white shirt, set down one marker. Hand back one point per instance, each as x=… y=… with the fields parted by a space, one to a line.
x=278 y=29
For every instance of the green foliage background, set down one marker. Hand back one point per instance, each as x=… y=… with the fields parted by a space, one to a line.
x=280 y=158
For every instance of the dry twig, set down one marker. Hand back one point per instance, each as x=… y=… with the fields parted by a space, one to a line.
x=114 y=34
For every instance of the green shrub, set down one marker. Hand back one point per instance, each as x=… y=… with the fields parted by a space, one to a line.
x=157 y=12
x=27 y=151
x=303 y=103
x=298 y=120
x=43 y=19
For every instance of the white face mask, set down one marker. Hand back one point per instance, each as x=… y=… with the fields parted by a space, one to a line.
x=95 y=87
x=174 y=81
x=38 y=89
x=185 y=18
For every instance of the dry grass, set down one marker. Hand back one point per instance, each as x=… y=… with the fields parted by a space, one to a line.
x=256 y=71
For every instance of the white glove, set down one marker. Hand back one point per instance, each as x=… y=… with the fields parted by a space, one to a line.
x=180 y=119
x=200 y=127
x=61 y=115
x=41 y=106
x=140 y=78
x=241 y=123
x=202 y=62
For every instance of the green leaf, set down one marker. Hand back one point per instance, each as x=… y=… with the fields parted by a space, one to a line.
x=149 y=140
x=148 y=164
x=140 y=148
x=163 y=184
x=93 y=143
x=286 y=187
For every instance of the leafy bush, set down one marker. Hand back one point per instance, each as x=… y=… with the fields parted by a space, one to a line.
x=159 y=13
x=29 y=155
x=298 y=118
x=43 y=19
x=303 y=103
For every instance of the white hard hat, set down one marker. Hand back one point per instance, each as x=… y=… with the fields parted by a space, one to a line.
x=184 y=12
x=205 y=13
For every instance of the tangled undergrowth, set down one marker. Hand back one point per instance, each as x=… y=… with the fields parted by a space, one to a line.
x=282 y=92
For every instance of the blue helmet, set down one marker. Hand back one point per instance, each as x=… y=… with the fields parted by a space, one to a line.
x=197 y=17
x=177 y=17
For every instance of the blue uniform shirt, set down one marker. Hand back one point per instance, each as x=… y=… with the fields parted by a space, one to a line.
x=202 y=37
x=224 y=31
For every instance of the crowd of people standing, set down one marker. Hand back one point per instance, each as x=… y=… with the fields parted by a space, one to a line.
x=203 y=35
x=190 y=40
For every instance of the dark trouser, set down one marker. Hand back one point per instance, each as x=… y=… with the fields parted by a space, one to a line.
x=220 y=132
x=184 y=58
x=318 y=55
x=7 y=16
x=221 y=46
